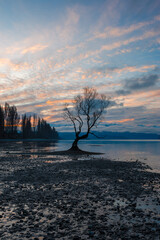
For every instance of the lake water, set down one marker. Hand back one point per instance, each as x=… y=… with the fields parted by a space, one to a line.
x=147 y=151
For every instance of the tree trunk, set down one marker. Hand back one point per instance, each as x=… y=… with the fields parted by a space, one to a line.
x=75 y=145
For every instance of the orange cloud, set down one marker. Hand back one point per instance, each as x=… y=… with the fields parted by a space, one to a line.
x=114 y=45
x=121 y=121
x=33 y=49
x=20 y=66
x=12 y=50
x=39 y=105
x=83 y=76
x=135 y=69
x=14 y=66
x=4 y=61
x=62 y=101
x=53 y=118
x=3 y=75
x=144 y=98
x=120 y=31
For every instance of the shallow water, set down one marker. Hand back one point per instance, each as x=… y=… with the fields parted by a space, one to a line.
x=147 y=151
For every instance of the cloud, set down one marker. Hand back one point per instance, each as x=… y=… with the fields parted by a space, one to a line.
x=46 y=65
x=58 y=102
x=111 y=124
x=131 y=69
x=14 y=65
x=130 y=118
x=149 y=99
x=34 y=49
x=106 y=72
x=69 y=27
x=137 y=84
x=119 y=31
x=141 y=83
x=120 y=121
x=122 y=30
x=157 y=17
x=113 y=103
x=114 y=45
x=158 y=40
x=123 y=92
x=3 y=75
x=149 y=125
x=4 y=61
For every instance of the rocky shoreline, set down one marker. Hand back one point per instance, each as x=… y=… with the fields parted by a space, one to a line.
x=55 y=197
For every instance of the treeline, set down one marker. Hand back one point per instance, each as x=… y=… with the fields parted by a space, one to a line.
x=13 y=126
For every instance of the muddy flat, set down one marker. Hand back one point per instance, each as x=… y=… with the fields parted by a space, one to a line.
x=71 y=197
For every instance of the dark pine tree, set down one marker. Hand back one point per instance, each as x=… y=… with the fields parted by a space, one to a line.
x=1 y=122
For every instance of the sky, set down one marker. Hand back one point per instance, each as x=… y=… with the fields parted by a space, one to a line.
x=51 y=49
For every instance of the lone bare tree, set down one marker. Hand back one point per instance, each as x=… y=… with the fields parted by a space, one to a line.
x=86 y=112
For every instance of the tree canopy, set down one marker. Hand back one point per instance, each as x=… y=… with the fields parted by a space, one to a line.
x=12 y=125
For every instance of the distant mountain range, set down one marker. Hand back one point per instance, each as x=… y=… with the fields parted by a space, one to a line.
x=112 y=135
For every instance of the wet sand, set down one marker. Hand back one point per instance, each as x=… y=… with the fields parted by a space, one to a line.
x=56 y=197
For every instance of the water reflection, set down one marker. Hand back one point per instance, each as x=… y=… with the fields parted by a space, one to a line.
x=39 y=146
x=28 y=146
x=145 y=151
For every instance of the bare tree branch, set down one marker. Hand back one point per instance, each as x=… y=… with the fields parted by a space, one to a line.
x=96 y=135
x=87 y=111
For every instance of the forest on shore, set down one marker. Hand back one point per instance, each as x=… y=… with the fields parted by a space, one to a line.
x=14 y=126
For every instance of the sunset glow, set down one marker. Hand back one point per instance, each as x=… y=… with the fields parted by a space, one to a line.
x=51 y=50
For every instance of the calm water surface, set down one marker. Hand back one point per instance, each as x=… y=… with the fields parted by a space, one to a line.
x=147 y=151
